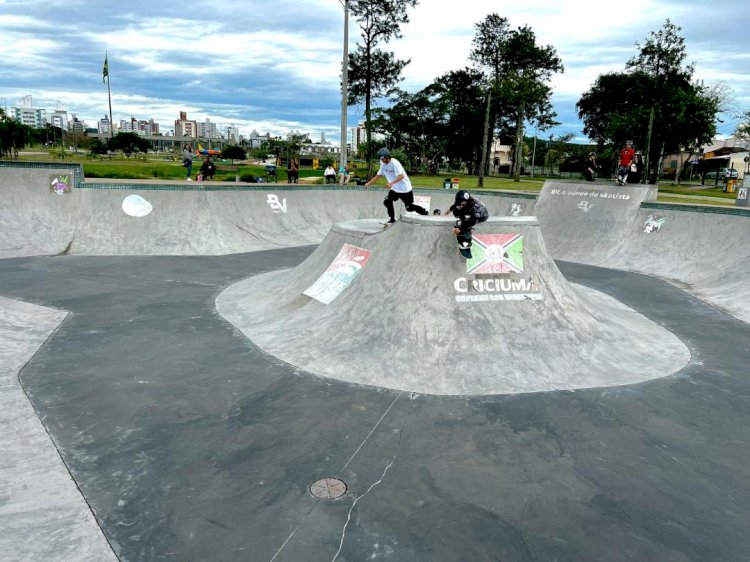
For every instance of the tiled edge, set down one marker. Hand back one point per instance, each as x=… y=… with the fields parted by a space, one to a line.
x=75 y=169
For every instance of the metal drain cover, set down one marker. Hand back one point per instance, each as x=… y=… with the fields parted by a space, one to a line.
x=328 y=488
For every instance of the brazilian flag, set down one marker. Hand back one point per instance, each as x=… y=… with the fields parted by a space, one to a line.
x=105 y=70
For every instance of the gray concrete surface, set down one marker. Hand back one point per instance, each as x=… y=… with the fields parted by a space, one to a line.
x=189 y=443
x=90 y=221
x=42 y=514
x=703 y=250
x=406 y=329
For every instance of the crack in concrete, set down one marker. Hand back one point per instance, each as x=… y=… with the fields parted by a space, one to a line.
x=382 y=476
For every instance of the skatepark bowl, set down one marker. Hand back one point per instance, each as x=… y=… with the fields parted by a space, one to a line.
x=265 y=372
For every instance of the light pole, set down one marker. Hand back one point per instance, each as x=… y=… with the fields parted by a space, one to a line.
x=344 y=82
x=533 y=155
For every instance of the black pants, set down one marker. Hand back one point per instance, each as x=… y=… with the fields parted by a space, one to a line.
x=407 y=198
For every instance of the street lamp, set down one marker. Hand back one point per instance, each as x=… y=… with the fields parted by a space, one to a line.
x=344 y=82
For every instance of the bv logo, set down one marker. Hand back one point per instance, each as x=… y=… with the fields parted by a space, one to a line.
x=585 y=206
x=276 y=205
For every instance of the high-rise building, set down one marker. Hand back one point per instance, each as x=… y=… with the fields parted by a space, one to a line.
x=359 y=136
x=26 y=114
x=207 y=130
x=185 y=128
x=233 y=133
x=77 y=126
x=59 y=119
x=104 y=126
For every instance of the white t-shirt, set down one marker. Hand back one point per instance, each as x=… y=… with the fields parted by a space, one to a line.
x=391 y=171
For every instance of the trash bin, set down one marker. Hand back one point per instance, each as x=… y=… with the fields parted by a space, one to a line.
x=447 y=183
x=742 y=194
x=454 y=183
x=730 y=185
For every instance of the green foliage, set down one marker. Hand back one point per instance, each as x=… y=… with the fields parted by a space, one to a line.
x=743 y=127
x=373 y=73
x=98 y=147
x=519 y=71
x=128 y=143
x=233 y=152
x=617 y=109
x=13 y=136
x=654 y=102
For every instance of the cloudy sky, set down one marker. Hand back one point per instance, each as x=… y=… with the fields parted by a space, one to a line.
x=274 y=65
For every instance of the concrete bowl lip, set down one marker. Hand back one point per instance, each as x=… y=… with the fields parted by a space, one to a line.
x=442 y=220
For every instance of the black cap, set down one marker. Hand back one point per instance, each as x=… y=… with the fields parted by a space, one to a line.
x=462 y=196
x=384 y=153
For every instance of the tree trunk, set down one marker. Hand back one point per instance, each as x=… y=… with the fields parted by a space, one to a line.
x=483 y=162
x=647 y=165
x=368 y=100
x=518 y=156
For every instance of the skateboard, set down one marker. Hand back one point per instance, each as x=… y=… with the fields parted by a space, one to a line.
x=387 y=224
x=464 y=243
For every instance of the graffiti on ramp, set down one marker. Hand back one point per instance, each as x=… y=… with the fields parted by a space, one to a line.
x=343 y=270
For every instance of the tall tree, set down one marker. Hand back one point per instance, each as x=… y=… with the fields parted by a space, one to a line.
x=618 y=105
x=526 y=70
x=488 y=49
x=374 y=73
x=742 y=131
x=662 y=58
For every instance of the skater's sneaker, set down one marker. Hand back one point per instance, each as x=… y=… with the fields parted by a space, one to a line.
x=390 y=221
x=189 y=179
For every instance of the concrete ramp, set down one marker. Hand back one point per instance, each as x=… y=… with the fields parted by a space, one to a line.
x=398 y=308
x=588 y=222
x=702 y=249
x=198 y=219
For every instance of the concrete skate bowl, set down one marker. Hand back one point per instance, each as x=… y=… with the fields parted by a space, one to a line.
x=412 y=316
x=200 y=219
x=702 y=249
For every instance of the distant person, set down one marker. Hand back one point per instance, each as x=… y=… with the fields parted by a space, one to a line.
x=469 y=212
x=344 y=175
x=187 y=160
x=636 y=169
x=589 y=167
x=436 y=212
x=627 y=154
x=208 y=169
x=292 y=171
x=330 y=174
x=399 y=185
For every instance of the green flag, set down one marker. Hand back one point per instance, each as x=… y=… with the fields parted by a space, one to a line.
x=105 y=70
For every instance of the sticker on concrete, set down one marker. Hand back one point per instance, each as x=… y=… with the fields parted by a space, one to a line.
x=653 y=224
x=742 y=193
x=136 y=206
x=277 y=206
x=516 y=209
x=60 y=184
x=423 y=201
x=496 y=253
x=339 y=275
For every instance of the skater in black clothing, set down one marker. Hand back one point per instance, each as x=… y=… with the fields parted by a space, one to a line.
x=468 y=211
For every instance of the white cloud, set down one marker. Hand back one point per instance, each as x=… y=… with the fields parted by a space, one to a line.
x=275 y=65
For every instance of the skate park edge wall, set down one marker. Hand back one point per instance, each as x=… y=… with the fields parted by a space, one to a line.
x=703 y=249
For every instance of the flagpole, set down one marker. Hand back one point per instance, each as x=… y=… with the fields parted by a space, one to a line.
x=109 y=97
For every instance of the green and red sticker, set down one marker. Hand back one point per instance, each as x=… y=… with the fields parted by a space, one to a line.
x=496 y=253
